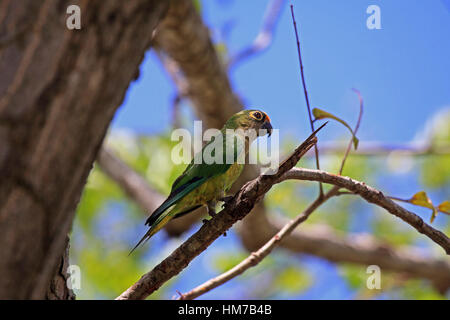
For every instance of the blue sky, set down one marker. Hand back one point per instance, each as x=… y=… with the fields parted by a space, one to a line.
x=402 y=71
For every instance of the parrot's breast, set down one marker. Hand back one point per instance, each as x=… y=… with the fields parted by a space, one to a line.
x=214 y=188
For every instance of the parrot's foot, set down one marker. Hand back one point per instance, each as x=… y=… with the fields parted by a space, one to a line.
x=211 y=208
x=226 y=201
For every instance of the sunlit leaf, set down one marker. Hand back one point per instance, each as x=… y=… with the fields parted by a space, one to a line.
x=444 y=207
x=321 y=114
x=421 y=199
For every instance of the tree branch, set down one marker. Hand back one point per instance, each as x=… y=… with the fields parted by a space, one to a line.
x=185 y=39
x=305 y=91
x=265 y=35
x=355 y=130
x=256 y=257
x=361 y=248
x=373 y=196
x=58 y=289
x=318 y=240
x=237 y=209
x=53 y=117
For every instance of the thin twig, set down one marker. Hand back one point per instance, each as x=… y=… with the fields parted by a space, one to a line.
x=256 y=257
x=370 y=148
x=349 y=147
x=399 y=199
x=316 y=150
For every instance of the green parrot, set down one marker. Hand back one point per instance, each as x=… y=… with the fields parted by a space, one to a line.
x=205 y=182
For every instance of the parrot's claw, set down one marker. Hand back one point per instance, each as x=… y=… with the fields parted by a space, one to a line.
x=226 y=201
x=211 y=209
x=212 y=213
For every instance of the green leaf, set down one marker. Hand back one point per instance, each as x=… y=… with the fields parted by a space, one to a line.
x=293 y=280
x=198 y=6
x=321 y=114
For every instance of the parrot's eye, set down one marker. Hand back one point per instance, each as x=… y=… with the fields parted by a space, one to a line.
x=256 y=115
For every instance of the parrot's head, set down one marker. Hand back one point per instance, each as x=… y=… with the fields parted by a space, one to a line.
x=251 y=120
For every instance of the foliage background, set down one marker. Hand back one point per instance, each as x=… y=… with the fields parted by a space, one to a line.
x=403 y=74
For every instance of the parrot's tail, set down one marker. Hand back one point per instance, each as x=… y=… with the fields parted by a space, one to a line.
x=153 y=229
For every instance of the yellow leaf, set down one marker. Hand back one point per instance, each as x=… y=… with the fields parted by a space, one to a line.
x=421 y=199
x=444 y=207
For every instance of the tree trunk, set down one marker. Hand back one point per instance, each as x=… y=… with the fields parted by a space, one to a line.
x=58 y=289
x=59 y=90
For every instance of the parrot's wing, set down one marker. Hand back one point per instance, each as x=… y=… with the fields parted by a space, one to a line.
x=191 y=179
x=173 y=198
x=182 y=213
x=195 y=176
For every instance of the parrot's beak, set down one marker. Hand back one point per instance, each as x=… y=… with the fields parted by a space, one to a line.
x=268 y=127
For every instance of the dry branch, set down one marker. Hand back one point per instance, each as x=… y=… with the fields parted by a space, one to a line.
x=236 y=210
x=305 y=91
x=332 y=248
x=373 y=196
x=265 y=35
x=360 y=248
x=258 y=256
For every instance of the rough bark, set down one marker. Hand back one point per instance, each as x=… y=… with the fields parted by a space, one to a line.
x=58 y=289
x=59 y=90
